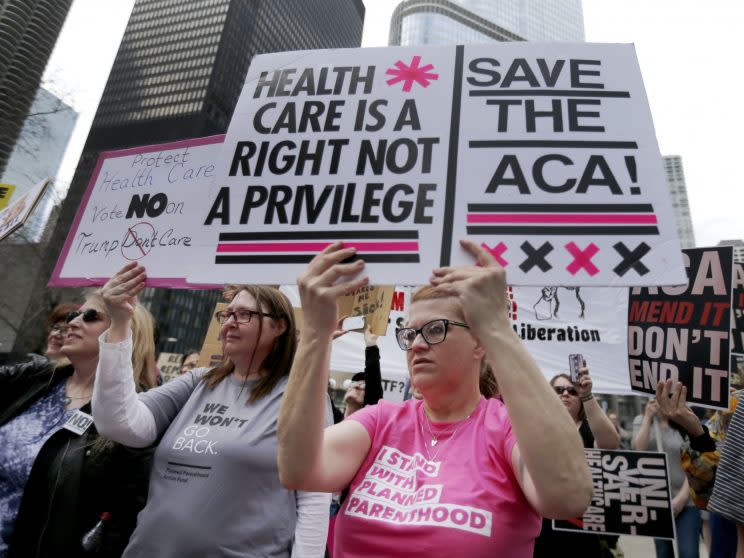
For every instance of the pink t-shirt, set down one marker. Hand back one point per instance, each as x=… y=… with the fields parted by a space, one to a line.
x=459 y=499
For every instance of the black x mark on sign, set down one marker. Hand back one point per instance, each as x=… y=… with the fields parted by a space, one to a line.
x=631 y=258
x=536 y=257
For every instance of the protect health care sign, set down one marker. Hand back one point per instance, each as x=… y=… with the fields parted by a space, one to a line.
x=543 y=153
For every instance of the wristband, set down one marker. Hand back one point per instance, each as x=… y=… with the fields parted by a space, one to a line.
x=703 y=443
x=585 y=398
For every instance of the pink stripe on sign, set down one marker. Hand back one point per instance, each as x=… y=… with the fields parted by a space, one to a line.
x=584 y=218
x=316 y=246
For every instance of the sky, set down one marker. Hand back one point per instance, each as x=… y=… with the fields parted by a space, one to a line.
x=687 y=56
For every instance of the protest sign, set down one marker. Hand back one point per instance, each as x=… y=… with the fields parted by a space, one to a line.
x=737 y=304
x=6 y=192
x=141 y=204
x=15 y=215
x=211 y=352
x=683 y=332
x=631 y=496
x=169 y=365
x=402 y=151
x=371 y=302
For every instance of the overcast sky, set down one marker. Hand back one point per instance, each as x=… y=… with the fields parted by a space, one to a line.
x=686 y=49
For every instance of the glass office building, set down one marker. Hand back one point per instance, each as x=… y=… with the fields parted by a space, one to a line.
x=675 y=177
x=178 y=74
x=422 y=22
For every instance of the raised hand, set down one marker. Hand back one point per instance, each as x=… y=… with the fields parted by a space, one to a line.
x=319 y=289
x=120 y=292
x=672 y=401
x=370 y=339
x=584 y=384
x=481 y=289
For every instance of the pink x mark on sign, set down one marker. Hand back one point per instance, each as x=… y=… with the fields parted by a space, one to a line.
x=496 y=252
x=582 y=259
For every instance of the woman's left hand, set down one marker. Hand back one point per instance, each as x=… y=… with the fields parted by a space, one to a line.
x=481 y=289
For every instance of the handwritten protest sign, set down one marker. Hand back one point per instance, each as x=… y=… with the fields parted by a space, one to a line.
x=15 y=215
x=631 y=496
x=6 y=192
x=683 y=332
x=169 y=365
x=401 y=151
x=737 y=305
x=141 y=205
x=371 y=302
x=211 y=352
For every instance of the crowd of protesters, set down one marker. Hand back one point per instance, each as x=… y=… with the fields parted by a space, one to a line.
x=251 y=458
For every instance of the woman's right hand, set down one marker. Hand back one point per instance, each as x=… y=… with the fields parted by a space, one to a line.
x=120 y=292
x=652 y=407
x=319 y=290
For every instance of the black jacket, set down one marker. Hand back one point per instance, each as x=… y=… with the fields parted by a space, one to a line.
x=74 y=478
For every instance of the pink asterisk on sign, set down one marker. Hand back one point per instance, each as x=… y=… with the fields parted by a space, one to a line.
x=409 y=74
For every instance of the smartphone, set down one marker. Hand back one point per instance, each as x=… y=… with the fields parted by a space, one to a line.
x=575 y=364
x=353 y=323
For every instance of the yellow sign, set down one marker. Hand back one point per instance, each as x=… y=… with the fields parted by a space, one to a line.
x=211 y=351
x=6 y=192
x=371 y=302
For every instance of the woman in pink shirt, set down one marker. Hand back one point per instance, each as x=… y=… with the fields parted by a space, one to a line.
x=454 y=473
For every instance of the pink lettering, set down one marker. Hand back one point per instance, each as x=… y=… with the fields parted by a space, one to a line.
x=353 y=503
x=440 y=514
x=375 y=511
x=363 y=507
x=477 y=520
x=459 y=517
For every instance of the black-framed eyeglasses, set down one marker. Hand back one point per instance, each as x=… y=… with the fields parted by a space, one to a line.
x=433 y=332
x=241 y=315
x=89 y=315
x=570 y=389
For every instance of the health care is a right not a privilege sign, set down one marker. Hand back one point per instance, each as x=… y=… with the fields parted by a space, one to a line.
x=543 y=153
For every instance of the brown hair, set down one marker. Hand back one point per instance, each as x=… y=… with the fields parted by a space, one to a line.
x=278 y=362
x=59 y=314
x=582 y=413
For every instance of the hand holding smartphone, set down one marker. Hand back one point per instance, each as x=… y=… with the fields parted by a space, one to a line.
x=575 y=364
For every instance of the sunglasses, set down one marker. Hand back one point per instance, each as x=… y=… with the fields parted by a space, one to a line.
x=433 y=332
x=89 y=315
x=570 y=389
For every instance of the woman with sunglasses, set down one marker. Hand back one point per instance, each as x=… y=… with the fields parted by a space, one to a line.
x=59 y=480
x=453 y=474
x=214 y=488
x=597 y=431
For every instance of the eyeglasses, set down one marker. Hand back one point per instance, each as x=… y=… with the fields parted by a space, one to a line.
x=90 y=315
x=241 y=316
x=60 y=328
x=570 y=389
x=433 y=332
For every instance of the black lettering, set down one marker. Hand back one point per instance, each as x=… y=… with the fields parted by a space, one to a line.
x=220 y=208
x=509 y=163
x=539 y=177
x=480 y=66
x=577 y=71
x=255 y=196
x=408 y=116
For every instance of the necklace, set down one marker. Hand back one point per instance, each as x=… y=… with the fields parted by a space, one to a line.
x=68 y=399
x=435 y=439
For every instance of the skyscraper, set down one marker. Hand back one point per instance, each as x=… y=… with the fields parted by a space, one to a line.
x=436 y=22
x=675 y=176
x=28 y=32
x=178 y=74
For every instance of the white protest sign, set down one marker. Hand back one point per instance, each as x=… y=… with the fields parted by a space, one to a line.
x=544 y=153
x=15 y=215
x=142 y=204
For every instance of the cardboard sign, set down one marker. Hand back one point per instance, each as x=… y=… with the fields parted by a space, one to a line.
x=371 y=302
x=631 y=496
x=142 y=204
x=401 y=151
x=684 y=332
x=737 y=305
x=6 y=192
x=15 y=215
x=211 y=354
x=169 y=365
